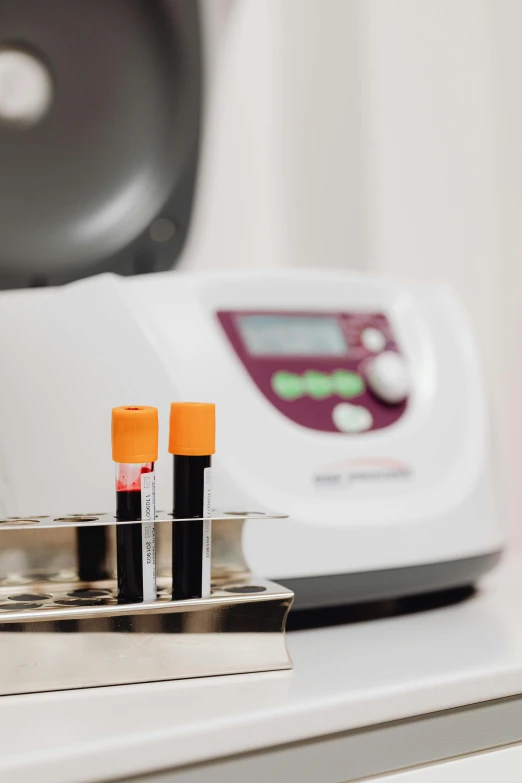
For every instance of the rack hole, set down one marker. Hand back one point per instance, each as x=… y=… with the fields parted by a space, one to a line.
x=28 y=597
x=76 y=519
x=81 y=602
x=243 y=589
x=86 y=593
x=21 y=521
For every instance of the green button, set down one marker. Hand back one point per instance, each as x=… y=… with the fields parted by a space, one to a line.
x=287 y=385
x=318 y=384
x=347 y=384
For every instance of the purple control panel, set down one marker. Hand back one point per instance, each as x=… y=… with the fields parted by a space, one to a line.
x=312 y=366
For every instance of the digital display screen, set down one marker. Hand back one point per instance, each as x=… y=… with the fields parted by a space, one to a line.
x=292 y=335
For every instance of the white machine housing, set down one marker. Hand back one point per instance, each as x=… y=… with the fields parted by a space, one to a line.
x=380 y=512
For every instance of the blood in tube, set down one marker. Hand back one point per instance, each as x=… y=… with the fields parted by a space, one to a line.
x=91 y=548
x=135 y=450
x=192 y=442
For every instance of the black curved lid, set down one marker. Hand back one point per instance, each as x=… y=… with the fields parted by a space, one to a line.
x=104 y=180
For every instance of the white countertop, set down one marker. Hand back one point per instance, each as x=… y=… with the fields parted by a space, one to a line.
x=345 y=677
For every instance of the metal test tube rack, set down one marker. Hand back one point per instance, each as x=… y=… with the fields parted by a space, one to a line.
x=57 y=632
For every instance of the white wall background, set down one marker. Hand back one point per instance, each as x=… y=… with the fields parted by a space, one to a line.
x=380 y=135
x=507 y=257
x=444 y=83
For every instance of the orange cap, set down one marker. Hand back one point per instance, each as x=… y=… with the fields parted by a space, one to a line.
x=192 y=428
x=135 y=434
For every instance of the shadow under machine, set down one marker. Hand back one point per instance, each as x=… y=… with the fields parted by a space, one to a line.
x=352 y=403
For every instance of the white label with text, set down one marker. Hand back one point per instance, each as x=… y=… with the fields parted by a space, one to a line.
x=148 y=535
x=207 y=533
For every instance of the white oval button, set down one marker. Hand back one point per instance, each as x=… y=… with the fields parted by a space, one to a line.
x=388 y=377
x=373 y=339
x=351 y=418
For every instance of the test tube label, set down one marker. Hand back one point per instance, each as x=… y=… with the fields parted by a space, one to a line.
x=148 y=534
x=207 y=532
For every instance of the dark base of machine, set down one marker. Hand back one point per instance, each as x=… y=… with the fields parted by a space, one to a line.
x=342 y=598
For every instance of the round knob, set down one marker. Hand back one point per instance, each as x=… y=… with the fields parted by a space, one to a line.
x=25 y=88
x=388 y=377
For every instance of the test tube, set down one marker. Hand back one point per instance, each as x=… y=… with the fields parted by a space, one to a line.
x=135 y=451
x=192 y=442
x=91 y=546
